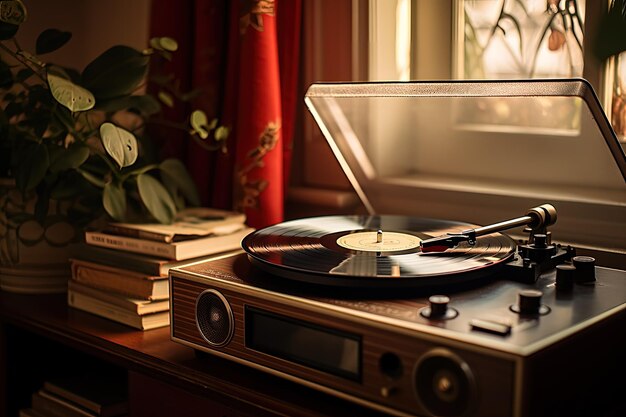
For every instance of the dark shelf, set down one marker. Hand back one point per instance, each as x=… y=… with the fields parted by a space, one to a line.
x=40 y=337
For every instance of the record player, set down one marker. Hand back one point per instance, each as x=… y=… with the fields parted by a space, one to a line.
x=410 y=313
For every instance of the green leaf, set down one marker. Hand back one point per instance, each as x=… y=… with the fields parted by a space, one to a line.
x=70 y=95
x=50 y=40
x=81 y=216
x=91 y=178
x=13 y=109
x=116 y=72
x=179 y=200
x=221 y=133
x=71 y=158
x=32 y=165
x=39 y=122
x=24 y=74
x=65 y=190
x=156 y=199
x=154 y=43
x=64 y=117
x=166 y=98
x=71 y=74
x=114 y=201
x=39 y=94
x=190 y=95
x=168 y=44
x=176 y=177
x=198 y=122
x=140 y=170
x=119 y=143
x=7 y=31
x=12 y=12
x=166 y=54
x=164 y=44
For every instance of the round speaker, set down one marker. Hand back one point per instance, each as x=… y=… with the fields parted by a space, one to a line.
x=444 y=384
x=214 y=318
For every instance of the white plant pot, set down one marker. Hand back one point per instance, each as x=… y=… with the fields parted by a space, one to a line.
x=34 y=258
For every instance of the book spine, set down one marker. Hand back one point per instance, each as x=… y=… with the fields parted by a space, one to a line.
x=140 y=307
x=139 y=288
x=102 y=310
x=131 y=261
x=75 y=286
x=49 y=405
x=147 y=247
x=138 y=234
x=130 y=264
x=109 y=312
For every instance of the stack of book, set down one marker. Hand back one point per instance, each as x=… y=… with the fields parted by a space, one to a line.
x=80 y=396
x=121 y=273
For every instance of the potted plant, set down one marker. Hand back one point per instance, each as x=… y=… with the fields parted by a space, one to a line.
x=72 y=142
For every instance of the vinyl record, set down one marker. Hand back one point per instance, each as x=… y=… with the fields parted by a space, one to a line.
x=350 y=251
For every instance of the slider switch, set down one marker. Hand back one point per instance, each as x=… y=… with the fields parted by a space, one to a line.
x=529 y=304
x=438 y=308
x=489 y=326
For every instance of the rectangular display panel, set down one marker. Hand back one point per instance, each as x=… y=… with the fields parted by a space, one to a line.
x=318 y=347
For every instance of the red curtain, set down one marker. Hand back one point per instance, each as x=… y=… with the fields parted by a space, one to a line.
x=244 y=57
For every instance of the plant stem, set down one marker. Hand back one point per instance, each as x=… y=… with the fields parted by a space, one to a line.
x=543 y=35
x=580 y=24
x=70 y=128
x=204 y=145
x=139 y=171
x=114 y=170
x=491 y=33
x=22 y=61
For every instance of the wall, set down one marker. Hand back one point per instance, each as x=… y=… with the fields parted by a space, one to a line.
x=95 y=26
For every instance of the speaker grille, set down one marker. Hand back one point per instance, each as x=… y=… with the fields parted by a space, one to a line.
x=214 y=318
x=444 y=384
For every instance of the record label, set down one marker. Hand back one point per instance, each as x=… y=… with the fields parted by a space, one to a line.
x=379 y=241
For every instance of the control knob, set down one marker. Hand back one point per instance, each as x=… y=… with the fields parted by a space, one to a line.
x=585 y=269
x=565 y=277
x=438 y=308
x=529 y=303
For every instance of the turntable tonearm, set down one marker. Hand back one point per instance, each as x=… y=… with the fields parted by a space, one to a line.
x=538 y=219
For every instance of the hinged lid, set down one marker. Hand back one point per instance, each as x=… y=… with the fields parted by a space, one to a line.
x=473 y=150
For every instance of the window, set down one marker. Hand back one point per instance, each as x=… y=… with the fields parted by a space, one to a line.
x=437 y=52
x=519 y=38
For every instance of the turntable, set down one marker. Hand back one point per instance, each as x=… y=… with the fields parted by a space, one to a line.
x=422 y=316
